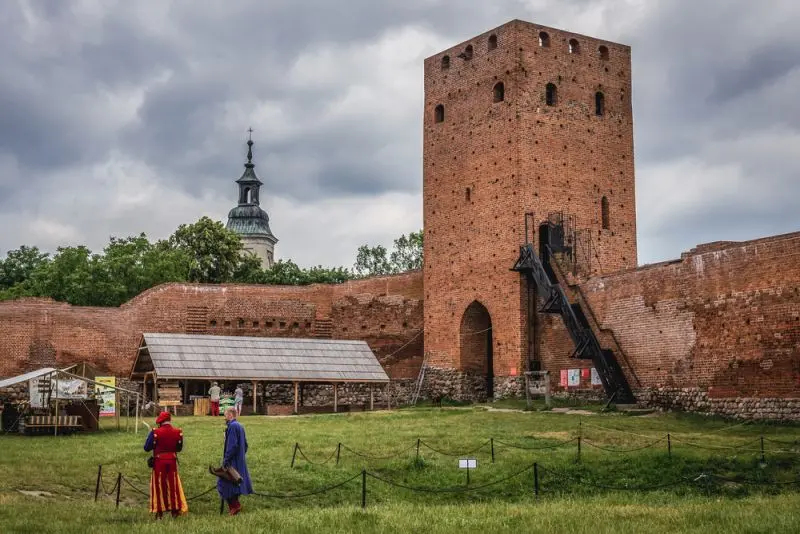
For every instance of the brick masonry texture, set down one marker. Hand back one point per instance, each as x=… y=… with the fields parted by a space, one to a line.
x=488 y=163
x=716 y=331
x=384 y=311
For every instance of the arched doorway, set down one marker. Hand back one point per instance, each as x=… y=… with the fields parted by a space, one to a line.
x=476 y=344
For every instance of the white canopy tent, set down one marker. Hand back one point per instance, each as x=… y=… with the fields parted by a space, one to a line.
x=56 y=375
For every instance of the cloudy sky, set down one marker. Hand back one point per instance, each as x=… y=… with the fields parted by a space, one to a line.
x=120 y=117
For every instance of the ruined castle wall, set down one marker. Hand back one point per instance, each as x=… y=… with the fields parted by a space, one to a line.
x=723 y=323
x=384 y=311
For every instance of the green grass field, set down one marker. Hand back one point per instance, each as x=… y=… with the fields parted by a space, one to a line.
x=609 y=487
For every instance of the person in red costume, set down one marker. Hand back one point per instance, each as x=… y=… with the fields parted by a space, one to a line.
x=166 y=490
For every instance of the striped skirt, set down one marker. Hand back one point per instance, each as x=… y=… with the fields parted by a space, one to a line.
x=166 y=492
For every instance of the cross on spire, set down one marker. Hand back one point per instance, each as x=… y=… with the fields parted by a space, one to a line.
x=250 y=147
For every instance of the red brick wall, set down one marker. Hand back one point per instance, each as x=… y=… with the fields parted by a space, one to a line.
x=385 y=311
x=488 y=163
x=726 y=320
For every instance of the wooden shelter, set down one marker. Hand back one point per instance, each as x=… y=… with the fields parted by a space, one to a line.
x=169 y=358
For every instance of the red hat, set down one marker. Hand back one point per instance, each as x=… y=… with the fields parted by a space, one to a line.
x=163 y=416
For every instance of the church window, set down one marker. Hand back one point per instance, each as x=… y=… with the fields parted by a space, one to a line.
x=574 y=47
x=603 y=52
x=604 y=213
x=492 y=42
x=445 y=62
x=467 y=54
x=438 y=113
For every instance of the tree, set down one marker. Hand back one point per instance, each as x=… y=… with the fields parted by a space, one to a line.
x=131 y=265
x=214 y=251
x=372 y=261
x=407 y=253
x=20 y=264
x=406 y=256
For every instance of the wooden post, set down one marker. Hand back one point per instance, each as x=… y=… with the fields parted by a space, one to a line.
x=136 y=418
x=335 y=397
x=388 y=396
x=255 y=397
x=371 y=398
x=295 y=397
x=56 y=429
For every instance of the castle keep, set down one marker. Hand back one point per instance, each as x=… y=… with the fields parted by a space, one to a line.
x=530 y=261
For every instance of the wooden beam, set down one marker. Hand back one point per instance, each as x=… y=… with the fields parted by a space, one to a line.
x=335 y=397
x=255 y=398
x=371 y=398
x=295 y=397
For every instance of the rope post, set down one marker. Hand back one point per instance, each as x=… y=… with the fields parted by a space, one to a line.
x=492 y=441
x=119 y=487
x=417 y=459
x=669 y=446
x=763 y=460
x=338 y=452
x=363 y=488
x=97 y=486
x=579 y=448
x=536 y=480
x=294 y=453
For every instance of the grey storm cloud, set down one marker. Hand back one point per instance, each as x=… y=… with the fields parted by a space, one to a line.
x=121 y=117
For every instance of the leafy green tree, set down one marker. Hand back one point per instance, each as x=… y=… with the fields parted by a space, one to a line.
x=249 y=270
x=214 y=251
x=20 y=264
x=372 y=261
x=131 y=265
x=405 y=256
x=67 y=278
x=407 y=253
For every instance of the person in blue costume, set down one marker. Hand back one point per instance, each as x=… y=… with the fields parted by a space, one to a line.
x=234 y=456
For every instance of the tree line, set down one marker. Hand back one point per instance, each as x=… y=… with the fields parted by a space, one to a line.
x=203 y=252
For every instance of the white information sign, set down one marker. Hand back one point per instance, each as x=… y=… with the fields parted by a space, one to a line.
x=467 y=463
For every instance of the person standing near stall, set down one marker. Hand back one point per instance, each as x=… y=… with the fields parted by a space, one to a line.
x=166 y=490
x=213 y=395
x=238 y=400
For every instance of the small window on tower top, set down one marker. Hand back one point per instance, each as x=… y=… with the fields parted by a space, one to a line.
x=574 y=47
x=445 y=62
x=492 y=42
x=544 y=39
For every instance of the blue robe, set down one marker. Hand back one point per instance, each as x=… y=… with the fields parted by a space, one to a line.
x=235 y=449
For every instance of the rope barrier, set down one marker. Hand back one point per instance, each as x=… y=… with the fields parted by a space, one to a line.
x=315 y=492
x=145 y=493
x=560 y=444
x=456 y=455
x=303 y=455
x=460 y=489
x=604 y=486
x=608 y=449
x=370 y=457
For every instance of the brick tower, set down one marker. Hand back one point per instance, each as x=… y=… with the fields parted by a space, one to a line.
x=521 y=119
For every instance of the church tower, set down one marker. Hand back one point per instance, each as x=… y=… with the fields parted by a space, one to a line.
x=248 y=219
